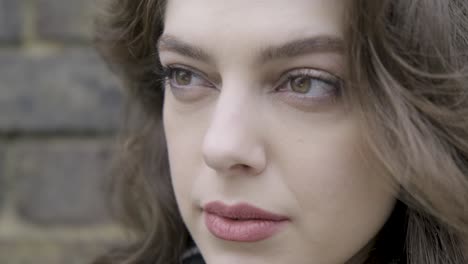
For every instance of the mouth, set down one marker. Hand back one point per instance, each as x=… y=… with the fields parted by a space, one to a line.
x=242 y=222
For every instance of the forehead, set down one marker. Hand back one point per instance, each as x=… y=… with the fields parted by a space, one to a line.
x=244 y=24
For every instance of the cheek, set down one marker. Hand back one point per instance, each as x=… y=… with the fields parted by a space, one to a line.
x=321 y=160
x=327 y=170
x=184 y=132
x=338 y=196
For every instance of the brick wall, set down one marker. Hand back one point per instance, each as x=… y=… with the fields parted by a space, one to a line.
x=59 y=109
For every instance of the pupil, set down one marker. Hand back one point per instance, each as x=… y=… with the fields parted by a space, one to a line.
x=183 y=77
x=301 y=84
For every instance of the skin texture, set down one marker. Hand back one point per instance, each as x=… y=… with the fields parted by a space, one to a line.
x=233 y=136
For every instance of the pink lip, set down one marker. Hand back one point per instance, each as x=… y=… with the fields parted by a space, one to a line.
x=241 y=222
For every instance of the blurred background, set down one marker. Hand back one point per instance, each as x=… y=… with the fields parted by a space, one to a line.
x=59 y=110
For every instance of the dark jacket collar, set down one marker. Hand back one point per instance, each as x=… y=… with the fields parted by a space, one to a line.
x=192 y=256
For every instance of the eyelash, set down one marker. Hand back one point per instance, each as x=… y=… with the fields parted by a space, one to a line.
x=314 y=75
x=285 y=80
x=168 y=74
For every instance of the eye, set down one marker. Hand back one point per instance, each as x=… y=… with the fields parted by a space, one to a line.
x=310 y=84
x=187 y=85
x=300 y=84
x=182 y=77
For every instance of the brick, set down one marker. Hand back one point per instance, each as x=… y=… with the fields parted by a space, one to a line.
x=10 y=20
x=64 y=20
x=69 y=90
x=50 y=252
x=60 y=182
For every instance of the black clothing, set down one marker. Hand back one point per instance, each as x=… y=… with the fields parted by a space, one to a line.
x=192 y=256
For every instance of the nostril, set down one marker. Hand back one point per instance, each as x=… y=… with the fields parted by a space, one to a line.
x=243 y=169
x=240 y=167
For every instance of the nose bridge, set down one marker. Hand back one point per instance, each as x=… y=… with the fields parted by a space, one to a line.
x=232 y=140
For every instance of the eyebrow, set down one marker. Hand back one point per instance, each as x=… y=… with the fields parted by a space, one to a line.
x=316 y=44
x=170 y=43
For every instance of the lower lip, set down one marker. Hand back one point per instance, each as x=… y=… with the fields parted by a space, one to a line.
x=241 y=230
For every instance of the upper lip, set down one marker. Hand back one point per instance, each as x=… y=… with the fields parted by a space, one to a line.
x=241 y=211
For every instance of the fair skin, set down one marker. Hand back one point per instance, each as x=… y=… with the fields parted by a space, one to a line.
x=239 y=130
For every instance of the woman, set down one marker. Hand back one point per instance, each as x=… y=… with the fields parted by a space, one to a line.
x=305 y=131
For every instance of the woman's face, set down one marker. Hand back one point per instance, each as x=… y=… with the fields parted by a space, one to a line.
x=254 y=119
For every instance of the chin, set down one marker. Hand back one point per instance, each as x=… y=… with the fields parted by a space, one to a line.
x=231 y=258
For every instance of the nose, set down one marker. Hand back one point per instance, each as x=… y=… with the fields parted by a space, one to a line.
x=233 y=141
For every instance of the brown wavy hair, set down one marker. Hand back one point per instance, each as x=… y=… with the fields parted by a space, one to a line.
x=407 y=80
